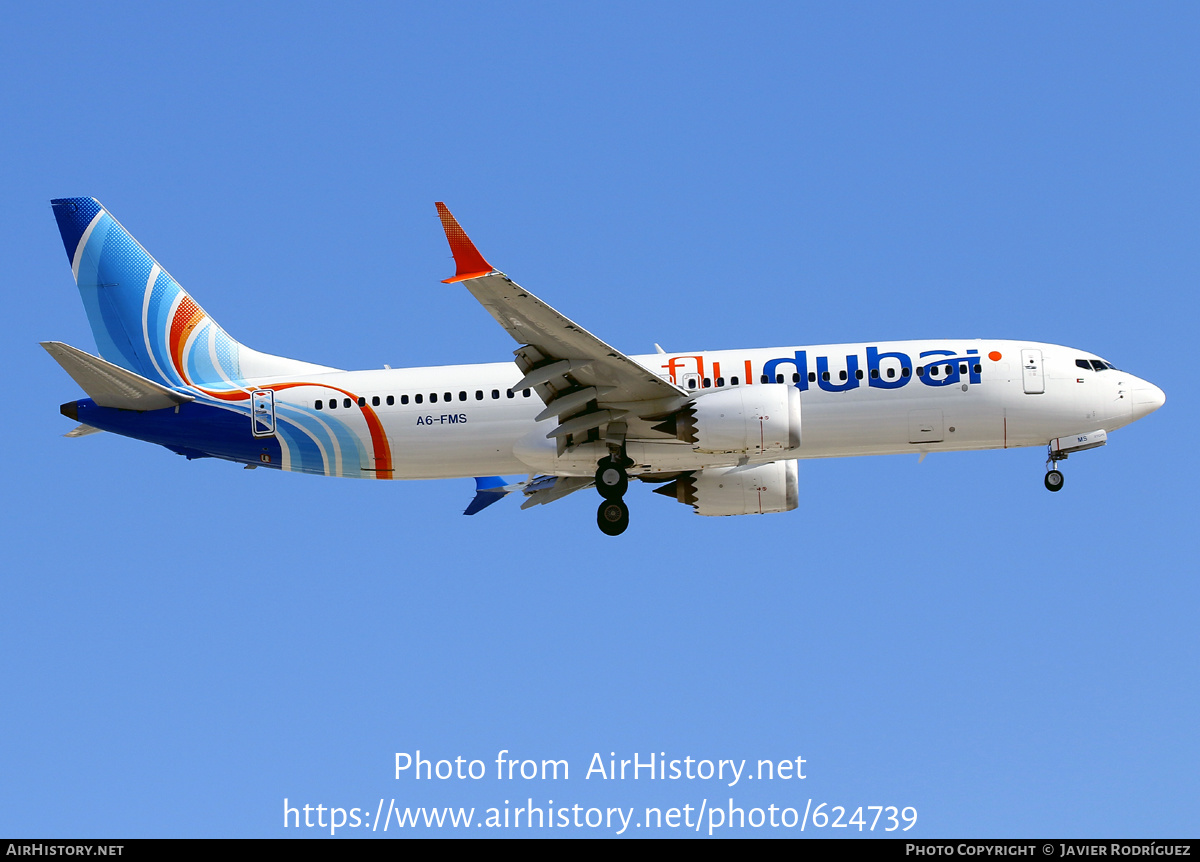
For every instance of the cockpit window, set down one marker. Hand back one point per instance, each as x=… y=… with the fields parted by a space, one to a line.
x=1095 y=365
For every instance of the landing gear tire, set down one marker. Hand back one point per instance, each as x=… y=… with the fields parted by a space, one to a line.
x=1054 y=481
x=611 y=480
x=613 y=517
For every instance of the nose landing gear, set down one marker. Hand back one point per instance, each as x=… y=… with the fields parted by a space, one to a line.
x=1058 y=449
x=612 y=481
x=1054 y=478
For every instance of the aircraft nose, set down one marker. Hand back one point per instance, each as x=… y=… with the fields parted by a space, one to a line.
x=1146 y=399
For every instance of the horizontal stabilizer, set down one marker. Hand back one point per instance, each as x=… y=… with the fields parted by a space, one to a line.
x=82 y=431
x=110 y=385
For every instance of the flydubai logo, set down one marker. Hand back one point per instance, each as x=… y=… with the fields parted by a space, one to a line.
x=876 y=369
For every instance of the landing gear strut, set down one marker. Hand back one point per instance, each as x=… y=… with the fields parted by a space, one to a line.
x=612 y=482
x=1054 y=479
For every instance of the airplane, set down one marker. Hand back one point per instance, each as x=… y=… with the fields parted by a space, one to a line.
x=721 y=431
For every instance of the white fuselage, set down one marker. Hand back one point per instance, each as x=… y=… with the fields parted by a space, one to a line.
x=871 y=398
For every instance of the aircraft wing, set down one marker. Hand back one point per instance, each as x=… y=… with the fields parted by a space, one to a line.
x=581 y=379
x=538 y=490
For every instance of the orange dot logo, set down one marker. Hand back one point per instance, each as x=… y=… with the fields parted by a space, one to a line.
x=994 y=356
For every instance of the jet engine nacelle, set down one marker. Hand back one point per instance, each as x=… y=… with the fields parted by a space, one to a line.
x=745 y=419
x=750 y=490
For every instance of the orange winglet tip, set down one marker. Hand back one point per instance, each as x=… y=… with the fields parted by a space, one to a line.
x=467 y=259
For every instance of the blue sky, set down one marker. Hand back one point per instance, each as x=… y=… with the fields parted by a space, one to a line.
x=184 y=645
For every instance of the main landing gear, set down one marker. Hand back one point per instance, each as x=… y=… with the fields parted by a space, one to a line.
x=612 y=517
x=612 y=481
x=1054 y=479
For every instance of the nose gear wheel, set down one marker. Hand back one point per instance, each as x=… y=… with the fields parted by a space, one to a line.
x=1054 y=478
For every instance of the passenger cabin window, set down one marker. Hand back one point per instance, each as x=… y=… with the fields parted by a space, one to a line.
x=766 y=379
x=345 y=402
x=317 y=404
x=511 y=394
x=495 y=394
x=391 y=400
x=812 y=377
x=448 y=397
x=374 y=400
x=418 y=398
x=720 y=381
x=433 y=398
x=526 y=393
x=707 y=383
x=733 y=381
x=796 y=377
x=778 y=378
x=478 y=394
x=462 y=396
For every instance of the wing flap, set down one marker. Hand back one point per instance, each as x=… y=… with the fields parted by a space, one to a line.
x=547 y=489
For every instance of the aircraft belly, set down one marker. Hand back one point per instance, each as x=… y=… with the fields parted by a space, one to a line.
x=194 y=429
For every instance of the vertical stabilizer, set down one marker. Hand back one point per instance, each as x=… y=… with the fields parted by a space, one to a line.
x=143 y=321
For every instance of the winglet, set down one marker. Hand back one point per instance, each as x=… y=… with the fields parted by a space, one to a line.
x=467 y=259
x=488 y=490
